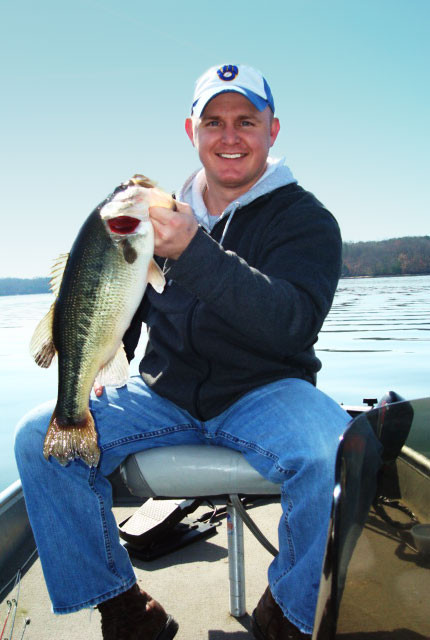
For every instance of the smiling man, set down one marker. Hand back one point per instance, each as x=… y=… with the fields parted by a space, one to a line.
x=253 y=262
x=263 y=264
x=233 y=139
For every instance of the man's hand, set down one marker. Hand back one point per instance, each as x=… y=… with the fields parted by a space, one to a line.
x=174 y=230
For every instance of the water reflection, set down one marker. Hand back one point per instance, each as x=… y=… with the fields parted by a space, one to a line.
x=376 y=337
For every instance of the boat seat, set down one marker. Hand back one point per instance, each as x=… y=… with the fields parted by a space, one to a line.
x=192 y=471
x=189 y=471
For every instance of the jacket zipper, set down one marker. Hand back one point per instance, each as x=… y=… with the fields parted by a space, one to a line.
x=196 y=391
x=190 y=322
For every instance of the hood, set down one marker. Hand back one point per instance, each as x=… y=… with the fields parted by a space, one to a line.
x=276 y=175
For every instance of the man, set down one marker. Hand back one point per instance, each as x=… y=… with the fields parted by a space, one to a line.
x=253 y=262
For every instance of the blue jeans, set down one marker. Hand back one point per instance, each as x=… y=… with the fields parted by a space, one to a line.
x=287 y=430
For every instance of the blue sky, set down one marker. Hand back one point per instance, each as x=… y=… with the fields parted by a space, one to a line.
x=94 y=91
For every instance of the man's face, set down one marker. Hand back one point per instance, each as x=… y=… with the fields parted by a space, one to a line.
x=233 y=140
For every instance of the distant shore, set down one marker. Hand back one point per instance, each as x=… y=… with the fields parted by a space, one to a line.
x=23 y=286
x=386 y=275
x=409 y=256
x=32 y=286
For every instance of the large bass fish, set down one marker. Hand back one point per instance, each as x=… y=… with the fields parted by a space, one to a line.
x=99 y=286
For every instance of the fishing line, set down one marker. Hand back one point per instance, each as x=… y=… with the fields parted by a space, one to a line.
x=18 y=580
x=13 y=605
x=9 y=604
x=26 y=623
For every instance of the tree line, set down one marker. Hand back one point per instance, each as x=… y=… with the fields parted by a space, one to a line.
x=20 y=286
x=395 y=257
x=398 y=256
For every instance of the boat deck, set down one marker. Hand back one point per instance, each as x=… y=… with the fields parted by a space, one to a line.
x=386 y=597
x=192 y=584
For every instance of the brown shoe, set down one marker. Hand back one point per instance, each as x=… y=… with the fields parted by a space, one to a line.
x=269 y=623
x=134 y=615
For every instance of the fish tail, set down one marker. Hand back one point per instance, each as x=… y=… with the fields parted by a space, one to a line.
x=66 y=443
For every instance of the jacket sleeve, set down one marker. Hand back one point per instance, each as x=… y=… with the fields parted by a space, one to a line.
x=283 y=299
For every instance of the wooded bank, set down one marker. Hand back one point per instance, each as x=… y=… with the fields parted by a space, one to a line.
x=395 y=257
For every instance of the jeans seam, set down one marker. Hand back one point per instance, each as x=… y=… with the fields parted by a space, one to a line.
x=106 y=538
x=292 y=618
x=251 y=446
x=287 y=526
x=247 y=445
x=97 y=600
x=289 y=537
x=147 y=436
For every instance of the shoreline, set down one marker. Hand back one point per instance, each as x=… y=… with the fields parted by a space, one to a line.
x=386 y=275
x=44 y=290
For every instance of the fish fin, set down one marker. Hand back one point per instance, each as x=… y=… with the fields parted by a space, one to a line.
x=142 y=181
x=42 y=346
x=57 y=272
x=70 y=442
x=116 y=372
x=156 y=277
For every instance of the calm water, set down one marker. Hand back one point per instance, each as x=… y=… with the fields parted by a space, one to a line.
x=376 y=338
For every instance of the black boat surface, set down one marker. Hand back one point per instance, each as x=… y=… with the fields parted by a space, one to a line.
x=376 y=575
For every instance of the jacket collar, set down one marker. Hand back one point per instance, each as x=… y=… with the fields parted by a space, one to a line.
x=276 y=175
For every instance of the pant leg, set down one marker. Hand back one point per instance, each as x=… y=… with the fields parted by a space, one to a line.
x=70 y=507
x=289 y=431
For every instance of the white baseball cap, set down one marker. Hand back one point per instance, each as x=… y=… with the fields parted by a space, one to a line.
x=232 y=78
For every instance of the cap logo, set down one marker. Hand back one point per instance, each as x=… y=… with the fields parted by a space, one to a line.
x=228 y=72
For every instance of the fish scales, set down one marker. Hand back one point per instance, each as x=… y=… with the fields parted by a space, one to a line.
x=97 y=286
x=104 y=280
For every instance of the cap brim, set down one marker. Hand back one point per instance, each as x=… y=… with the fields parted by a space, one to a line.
x=200 y=104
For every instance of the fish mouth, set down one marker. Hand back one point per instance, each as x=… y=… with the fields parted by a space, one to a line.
x=123 y=225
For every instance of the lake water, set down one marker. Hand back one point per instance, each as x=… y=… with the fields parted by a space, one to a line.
x=376 y=338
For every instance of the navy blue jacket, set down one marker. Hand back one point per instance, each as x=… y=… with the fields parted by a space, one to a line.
x=236 y=317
